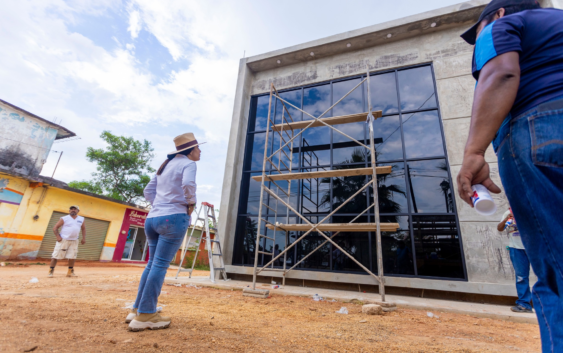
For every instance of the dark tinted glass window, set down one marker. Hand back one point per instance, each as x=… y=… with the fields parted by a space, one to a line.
x=383 y=90
x=437 y=246
x=354 y=243
x=345 y=187
x=252 y=200
x=262 y=104
x=431 y=188
x=315 y=193
x=423 y=137
x=344 y=150
x=247 y=228
x=387 y=138
x=396 y=248
x=255 y=146
x=277 y=245
x=416 y=88
x=392 y=190
x=320 y=259
x=294 y=98
x=315 y=150
x=352 y=104
x=280 y=188
x=281 y=160
x=316 y=100
x=418 y=190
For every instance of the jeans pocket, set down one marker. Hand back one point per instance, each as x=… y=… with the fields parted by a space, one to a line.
x=546 y=132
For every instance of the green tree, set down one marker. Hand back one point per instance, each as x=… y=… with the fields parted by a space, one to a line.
x=123 y=168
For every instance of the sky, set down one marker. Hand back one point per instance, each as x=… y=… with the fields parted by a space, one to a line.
x=156 y=69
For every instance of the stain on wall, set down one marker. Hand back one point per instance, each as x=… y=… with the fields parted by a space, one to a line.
x=25 y=142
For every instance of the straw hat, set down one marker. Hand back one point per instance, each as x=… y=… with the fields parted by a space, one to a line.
x=184 y=142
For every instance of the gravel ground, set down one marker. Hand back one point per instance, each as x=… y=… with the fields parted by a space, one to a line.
x=86 y=314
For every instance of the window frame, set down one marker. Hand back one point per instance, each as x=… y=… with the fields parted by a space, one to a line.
x=237 y=248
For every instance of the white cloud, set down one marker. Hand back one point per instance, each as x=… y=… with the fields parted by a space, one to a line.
x=135 y=25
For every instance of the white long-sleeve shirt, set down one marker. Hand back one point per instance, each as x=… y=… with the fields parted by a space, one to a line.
x=173 y=190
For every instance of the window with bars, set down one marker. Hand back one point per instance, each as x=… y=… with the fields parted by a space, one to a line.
x=418 y=193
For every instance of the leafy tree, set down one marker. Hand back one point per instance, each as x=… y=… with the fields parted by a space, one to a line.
x=87 y=186
x=123 y=168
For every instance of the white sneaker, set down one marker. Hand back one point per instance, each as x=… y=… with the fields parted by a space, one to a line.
x=131 y=316
x=149 y=321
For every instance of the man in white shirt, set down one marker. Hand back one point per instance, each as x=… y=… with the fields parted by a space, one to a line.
x=67 y=240
x=520 y=263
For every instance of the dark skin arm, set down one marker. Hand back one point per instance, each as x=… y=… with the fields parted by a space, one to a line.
x=494 y=97
x=83 y=228
x=59 y=224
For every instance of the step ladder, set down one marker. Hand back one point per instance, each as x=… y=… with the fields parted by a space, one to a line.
x=213 y=245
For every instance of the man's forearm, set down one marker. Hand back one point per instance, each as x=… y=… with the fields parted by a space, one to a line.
x=494 y=98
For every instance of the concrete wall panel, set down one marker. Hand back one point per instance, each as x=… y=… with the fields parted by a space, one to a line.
x=234 y=162
x=456 y=132
x=452 y=66
x=456 y=96
x=423 y=49
x=486 y=254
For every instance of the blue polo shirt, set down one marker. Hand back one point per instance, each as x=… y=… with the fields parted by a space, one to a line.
x=538 y=36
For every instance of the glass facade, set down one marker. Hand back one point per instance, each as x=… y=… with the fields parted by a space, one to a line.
x=417 y=194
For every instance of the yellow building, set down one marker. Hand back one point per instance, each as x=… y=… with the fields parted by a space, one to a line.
x=31 y=204
x=30 y=207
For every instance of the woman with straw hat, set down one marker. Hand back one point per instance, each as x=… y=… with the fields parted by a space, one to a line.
x=172 y=194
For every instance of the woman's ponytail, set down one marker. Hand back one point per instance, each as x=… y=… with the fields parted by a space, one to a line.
x=171 y=157
x=163 y=165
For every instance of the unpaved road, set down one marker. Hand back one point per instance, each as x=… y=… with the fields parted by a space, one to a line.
x=85 y=314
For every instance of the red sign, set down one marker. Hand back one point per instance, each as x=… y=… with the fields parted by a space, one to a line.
x=132 y=217
x=135 y=217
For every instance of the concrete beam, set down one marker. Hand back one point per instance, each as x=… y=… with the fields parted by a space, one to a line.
x=404 y=282
x=233 y=165
x=427 y=22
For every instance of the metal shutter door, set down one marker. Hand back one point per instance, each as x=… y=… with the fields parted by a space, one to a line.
x=96 y=231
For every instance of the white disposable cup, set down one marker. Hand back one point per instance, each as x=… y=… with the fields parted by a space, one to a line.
x=482 y=200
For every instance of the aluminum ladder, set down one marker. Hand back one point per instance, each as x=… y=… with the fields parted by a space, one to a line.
x=212 y=244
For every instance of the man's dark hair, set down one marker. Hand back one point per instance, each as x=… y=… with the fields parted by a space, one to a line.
x=509 y=10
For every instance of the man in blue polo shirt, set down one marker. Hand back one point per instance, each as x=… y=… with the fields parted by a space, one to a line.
x=518 y=105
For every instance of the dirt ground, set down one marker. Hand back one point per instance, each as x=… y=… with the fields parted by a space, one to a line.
x=86 y=314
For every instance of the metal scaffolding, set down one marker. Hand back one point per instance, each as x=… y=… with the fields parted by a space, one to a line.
x=287 y=129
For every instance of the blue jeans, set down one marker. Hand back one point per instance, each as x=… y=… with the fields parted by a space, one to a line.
x=521 y=266
x=530 y=158
x=165 y=235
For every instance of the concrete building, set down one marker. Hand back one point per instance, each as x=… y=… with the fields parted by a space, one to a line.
x=421 y=79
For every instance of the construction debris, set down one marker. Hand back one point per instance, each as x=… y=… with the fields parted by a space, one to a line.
x=386 y=306
x=317 y=298
x=372 y=309
x=256 y=293
x=429 y=314
x=343 y=310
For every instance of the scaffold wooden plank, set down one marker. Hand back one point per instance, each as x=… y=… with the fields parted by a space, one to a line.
x=325 y=174
x=337 y=227
x=343 y=119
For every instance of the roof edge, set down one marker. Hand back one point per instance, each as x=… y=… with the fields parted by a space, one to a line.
x=60 y=129
x=296 y=53
x=64 y=186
